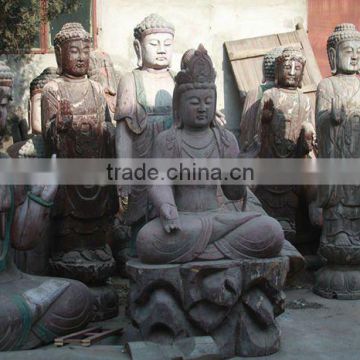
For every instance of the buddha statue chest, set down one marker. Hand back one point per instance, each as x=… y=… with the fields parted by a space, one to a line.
x=84 y=138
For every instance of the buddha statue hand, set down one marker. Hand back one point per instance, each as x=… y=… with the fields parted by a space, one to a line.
x=64 y=117
x=268 y=111
x=307 y=140
x=169 y=217
x=337 y=110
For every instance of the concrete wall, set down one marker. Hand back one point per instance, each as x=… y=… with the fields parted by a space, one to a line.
x=211 y=22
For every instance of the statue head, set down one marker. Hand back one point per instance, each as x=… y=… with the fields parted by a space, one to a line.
x=269 y=64
x=36 y=87
x=289 y=68
x=343 y=48
x=72 y=50
x=6 y=83
x=194 y=99
x=153 y=42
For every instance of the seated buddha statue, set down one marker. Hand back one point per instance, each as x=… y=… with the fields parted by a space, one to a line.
x=191 y=224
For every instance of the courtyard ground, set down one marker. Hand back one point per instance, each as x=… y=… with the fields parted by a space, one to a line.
x=313 y=328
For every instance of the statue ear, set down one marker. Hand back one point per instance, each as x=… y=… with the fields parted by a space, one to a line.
x=332 y=60
x=137 y=47
x=58 y=59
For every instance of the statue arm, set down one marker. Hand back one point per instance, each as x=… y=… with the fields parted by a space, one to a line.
x=32 y=209
x=162 y=196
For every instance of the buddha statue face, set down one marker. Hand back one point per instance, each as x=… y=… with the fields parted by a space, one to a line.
x=290 y=74
x=155 y=50
x=347 y=57
x=74 y=56
x=197 y=108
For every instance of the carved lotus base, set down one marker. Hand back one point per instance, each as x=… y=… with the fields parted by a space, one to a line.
x=88 y=266
x=106 y=302
x=338 y=282
x=235 y=302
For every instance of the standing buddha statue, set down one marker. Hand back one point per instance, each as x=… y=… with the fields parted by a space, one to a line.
x=285 y=130
x=144 y=107
x=338 y=129
x=74 y=126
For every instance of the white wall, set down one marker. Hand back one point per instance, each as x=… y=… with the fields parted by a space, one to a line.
x=211 y=22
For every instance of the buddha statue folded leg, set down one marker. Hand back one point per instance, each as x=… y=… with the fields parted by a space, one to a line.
x=35 y=310
x=210 y=236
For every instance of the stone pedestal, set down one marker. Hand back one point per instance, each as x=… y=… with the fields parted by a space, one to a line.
x=92 y=267
x=234 y=301
x=338 y=282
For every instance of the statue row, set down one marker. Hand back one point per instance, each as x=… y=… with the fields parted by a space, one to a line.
x=163 y=115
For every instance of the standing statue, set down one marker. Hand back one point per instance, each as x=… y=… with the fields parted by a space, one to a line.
x=192 y=264
x=253 y=98
x=285 y=130
x=144 y=107
x=73 y=124
x=34 y=310
x=6 y=96
x=338 y=129
x=101 y=70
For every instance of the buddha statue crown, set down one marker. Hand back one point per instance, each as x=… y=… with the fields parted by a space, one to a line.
x=6 y=75
x=289 y=54
x=196 y=69
x=342 y=32
x=40 y=81
x=71 y=31
x=269 y=63
x=153 y=24
x=197 y=72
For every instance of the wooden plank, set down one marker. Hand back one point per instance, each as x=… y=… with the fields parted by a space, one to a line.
x=252 y=53
x=246 y=58
x=86 y=337
x=315 y=73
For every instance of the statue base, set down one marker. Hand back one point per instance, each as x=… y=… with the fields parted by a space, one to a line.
x=236 y=302
x=338 y=282
x=91 y=266
x=106 y=302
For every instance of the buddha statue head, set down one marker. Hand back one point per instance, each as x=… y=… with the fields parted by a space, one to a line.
x=269 y=64
x=153 y=42
x=289 y=68
x=194 y=99
x=6 y=83
x=72 y=50
x=343 y=48
x=36 y=88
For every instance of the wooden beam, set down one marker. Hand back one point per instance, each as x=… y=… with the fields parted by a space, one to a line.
x=253 y=53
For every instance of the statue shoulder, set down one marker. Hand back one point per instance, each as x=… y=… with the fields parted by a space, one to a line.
x=326 y=85
x=96 y=86
x=51 y=87
x=167 y=143
x=126 y=106
x=227 y=142
x=126 y=81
